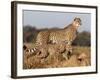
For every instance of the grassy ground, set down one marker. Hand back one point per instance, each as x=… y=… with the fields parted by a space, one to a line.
x=57 y=60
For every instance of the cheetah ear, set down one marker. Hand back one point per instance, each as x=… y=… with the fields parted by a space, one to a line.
x=76 y=18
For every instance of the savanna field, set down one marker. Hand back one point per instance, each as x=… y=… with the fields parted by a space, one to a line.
x=81 y=52
x=80 y=57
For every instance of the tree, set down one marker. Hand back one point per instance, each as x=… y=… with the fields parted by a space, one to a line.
x=29 y=33
x=83 y=39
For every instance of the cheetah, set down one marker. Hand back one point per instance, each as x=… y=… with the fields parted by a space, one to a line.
x=67 y=35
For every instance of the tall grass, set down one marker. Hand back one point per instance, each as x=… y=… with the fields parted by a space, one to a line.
x=56 y=60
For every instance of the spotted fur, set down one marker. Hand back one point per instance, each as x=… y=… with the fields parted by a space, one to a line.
x=56 y=36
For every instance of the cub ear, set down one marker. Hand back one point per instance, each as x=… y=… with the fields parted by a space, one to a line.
x=24 y=47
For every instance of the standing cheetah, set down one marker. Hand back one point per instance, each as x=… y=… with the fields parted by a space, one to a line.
x=67 y=35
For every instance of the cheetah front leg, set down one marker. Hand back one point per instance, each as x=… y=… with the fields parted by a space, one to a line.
x=68 y=52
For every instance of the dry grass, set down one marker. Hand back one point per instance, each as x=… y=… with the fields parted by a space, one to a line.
x=57 y=60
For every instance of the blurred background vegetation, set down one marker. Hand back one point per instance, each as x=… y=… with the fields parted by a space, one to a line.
x=30 y=33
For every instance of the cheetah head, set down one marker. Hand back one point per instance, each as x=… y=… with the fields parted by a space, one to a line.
x=76 y=22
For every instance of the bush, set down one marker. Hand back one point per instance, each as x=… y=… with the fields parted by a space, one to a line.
x=83 y=39
x=29 y=33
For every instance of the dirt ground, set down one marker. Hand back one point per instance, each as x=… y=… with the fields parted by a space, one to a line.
x=81 y=56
